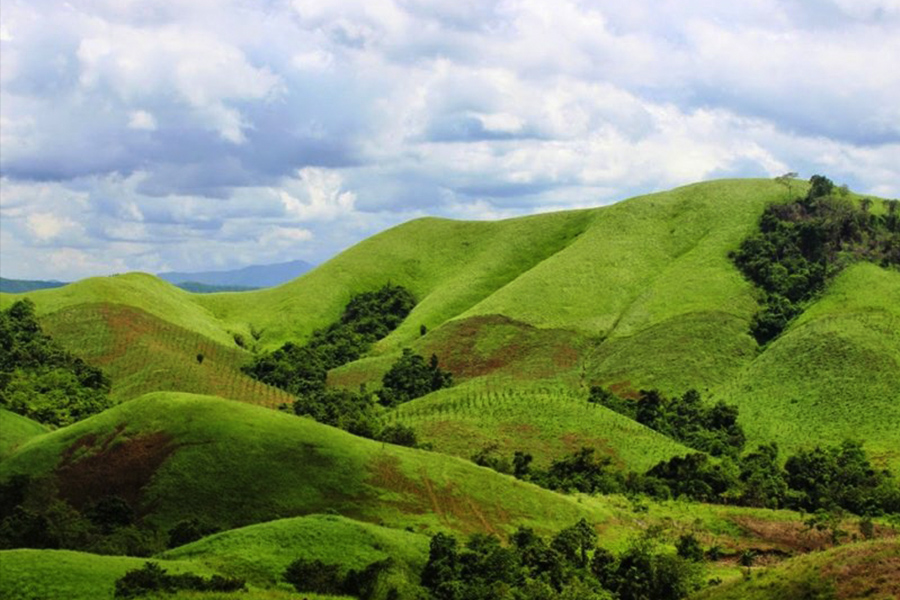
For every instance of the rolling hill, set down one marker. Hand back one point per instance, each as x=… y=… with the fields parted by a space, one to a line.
x=528 y=314
x=637 y=295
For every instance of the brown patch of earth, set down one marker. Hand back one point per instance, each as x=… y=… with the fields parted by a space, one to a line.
x=111 y=467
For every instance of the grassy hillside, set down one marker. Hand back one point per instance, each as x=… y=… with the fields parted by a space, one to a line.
x=44 y=574
x=852 y=572
x=260 y=553
x=143 y=353
x=139 y=290
x=835 y=373
x=179 y=456
x=546 y=421
x=15 y=430
x=448 y=265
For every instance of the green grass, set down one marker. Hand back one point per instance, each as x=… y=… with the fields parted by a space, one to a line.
x=261 y=553
x=232 y=464
x=851 y=572
x=548 y=422
x=65 y=575
x=15 y=430
x=834 y=374
x=143 y=353
x=640 y=294
x=139 y=290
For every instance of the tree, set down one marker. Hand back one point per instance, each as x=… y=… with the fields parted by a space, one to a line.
x=314 y=576
x=410 y=377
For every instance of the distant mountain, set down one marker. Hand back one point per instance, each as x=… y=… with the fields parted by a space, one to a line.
x=20 y=286
x=254 y=276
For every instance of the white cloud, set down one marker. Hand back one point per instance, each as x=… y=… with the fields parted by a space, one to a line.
x=316 y=195
x=142 y=120
x=220 y=133
x=46 y=226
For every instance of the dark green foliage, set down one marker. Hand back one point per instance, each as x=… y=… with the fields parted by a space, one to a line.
x=713 y=429
x=41 y=380
x=696 y=476
x=411 y=377
x=341 y=408
x=522 y=464
x=314 y=576
x=302 y=370
x=829 y=479
x=187 y=531
x=399 y=434
x=800 y=245
x=645 y=571
x=762 y=480
x=582 y=471
x=840 y=477
x=490 y=457
x=153 y=579
x=355 y=412
x=110 y=513
x=689 y=547
x=365 y=584
x=570 y=567
x=367 y=318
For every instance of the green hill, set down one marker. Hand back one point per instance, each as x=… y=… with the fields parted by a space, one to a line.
x=15 y=430
x=260 y=553
x=43 y=574
x=637 y=295
x=181 y=456
x=834 y=374
x=547 y=422
x=851 y=572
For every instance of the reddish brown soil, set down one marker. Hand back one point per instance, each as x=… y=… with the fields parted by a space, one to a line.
x=866 y=573
x=92 y=468
x=143 y=353
x=546 y=352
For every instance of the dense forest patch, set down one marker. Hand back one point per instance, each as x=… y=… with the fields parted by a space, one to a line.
x=804 y=243
x=39 y=378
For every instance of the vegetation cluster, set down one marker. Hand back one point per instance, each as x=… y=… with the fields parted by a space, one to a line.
x=803 y=243
x=39 y=378
x=833 y=479
x=569 y=566
x=712 y=429
x=153 y=579
x=367 y=318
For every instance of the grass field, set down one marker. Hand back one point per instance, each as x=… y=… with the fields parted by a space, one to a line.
x=864 y=570
x=43 y=574
x=834 y=374
x=143 y=353
x=527 y=313
x=260 y=553
x=15 y=430
x=546 y=421
x=180 y=456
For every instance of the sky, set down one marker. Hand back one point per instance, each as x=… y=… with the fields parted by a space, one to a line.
x=211 y=134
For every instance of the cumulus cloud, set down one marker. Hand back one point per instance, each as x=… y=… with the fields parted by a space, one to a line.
x=157 y=135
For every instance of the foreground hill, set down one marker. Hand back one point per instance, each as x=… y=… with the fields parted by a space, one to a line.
x=180 y=456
